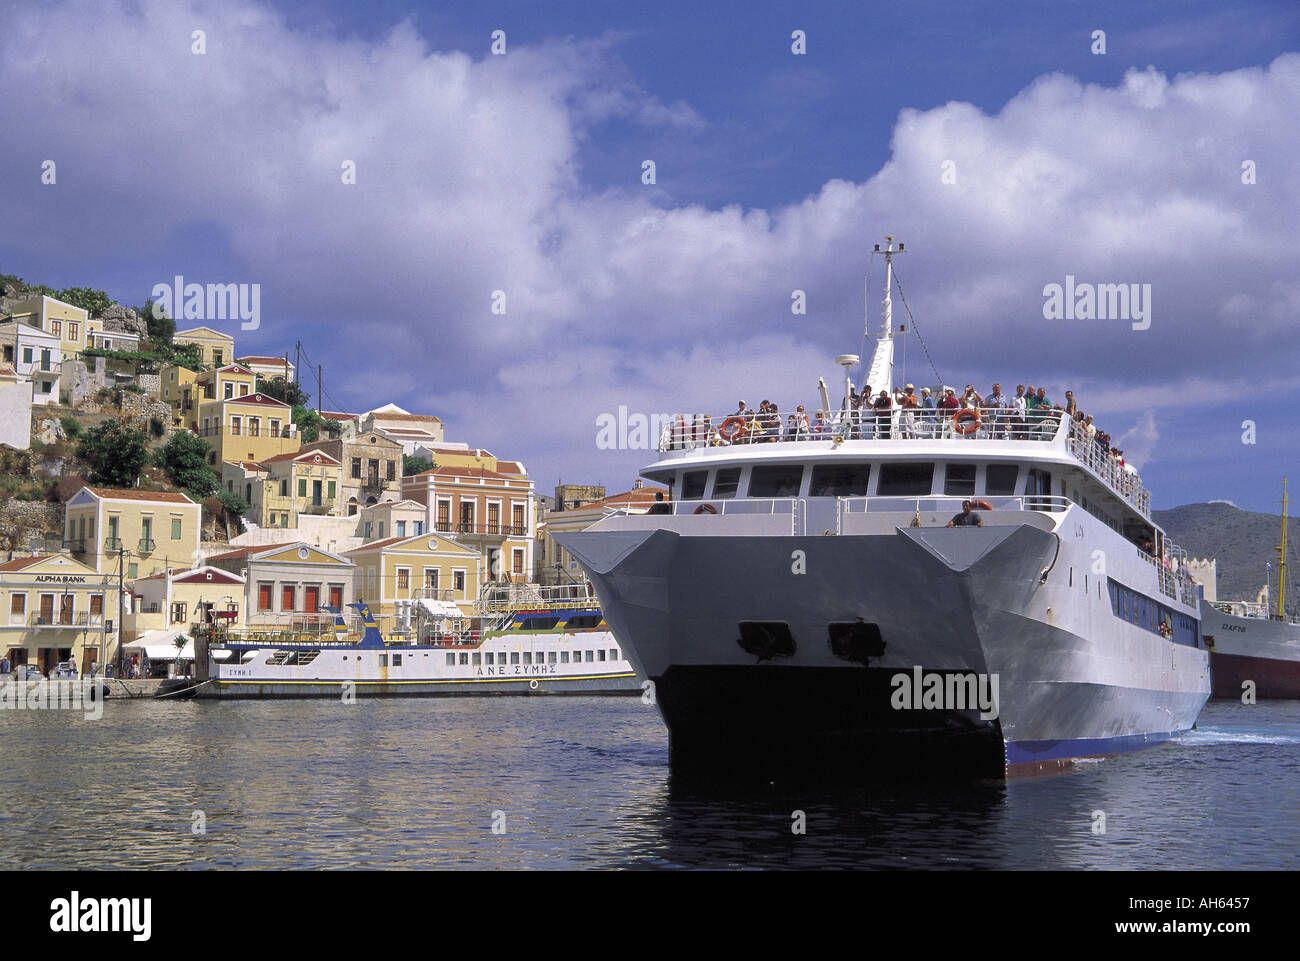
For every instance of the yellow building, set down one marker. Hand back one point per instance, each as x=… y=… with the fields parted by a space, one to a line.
x=412 y=568
x=215 y=348
x=177 y=390
x=286 y=585
x=251 y=428
x=222 y=383
x=154 y=530
x=178 y=600
x=280 y=488
x=55 y=608
x=70 y=324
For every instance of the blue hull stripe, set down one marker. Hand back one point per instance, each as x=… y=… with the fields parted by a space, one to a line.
x=1027 y=752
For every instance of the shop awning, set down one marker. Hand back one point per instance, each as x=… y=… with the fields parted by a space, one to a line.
x=161 y=646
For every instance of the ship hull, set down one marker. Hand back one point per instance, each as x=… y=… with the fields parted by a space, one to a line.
x=1073 y=680
x=1252 y=654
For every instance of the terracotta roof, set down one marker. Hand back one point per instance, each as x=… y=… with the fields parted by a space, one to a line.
x=460 y=472
x=247 y=464
x=255 y=399
x=639 y=497
x=18 y=563
x=8 y=372
x=241 y=552
x=338 y=415
x=376 y=545
x=252 y=359
x=510 y=467
x=110 y=493
x=295 y=455
x=221 y=370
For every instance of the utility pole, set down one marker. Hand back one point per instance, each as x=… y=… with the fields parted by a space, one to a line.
x=320 y=380
x=297 y=359
x=121 y=570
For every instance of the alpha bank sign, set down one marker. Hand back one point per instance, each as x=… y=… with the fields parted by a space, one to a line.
x=60 y=578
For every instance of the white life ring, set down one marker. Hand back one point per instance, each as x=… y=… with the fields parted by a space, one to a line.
x=532 y=685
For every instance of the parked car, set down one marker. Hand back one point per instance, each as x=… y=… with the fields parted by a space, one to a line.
x=26 y=672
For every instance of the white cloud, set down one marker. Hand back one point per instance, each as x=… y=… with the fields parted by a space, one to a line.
x=470 y=180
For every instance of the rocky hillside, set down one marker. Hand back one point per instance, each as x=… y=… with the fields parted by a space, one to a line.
x=1242 y=542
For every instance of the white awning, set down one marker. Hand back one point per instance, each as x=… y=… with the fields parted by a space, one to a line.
x=161 y=646
x=445 y=609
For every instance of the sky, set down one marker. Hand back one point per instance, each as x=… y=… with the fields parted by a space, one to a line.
x=470 y=234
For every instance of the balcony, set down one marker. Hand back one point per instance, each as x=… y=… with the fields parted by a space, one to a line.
x=147 y=545
x=323 y=506
x=490 y=530
x=112 y=543
x=63 y=619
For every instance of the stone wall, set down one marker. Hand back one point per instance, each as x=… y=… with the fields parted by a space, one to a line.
x=30 y=526
x=152 y=383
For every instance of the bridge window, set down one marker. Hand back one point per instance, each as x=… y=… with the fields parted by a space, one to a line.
x=776 y=480
x=840 y=480
x=693 y=484
x=726 y=482
x=959 y=481
x=1000 y=479
x=905 y=480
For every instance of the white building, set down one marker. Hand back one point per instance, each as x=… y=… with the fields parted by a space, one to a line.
x=15 y=409
x=34 y=355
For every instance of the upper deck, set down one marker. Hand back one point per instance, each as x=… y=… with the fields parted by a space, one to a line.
x=903 y=435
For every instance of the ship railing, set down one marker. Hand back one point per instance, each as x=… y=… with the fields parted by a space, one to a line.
x=692 y=431
x=795 y=507
x=945 y=504
x=530 y=596
x=1119 y=478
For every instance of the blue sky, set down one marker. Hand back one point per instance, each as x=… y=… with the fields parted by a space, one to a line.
x=774 y=171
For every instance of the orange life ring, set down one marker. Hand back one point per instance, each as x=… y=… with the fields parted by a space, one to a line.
x=972 y=418
x=706 y=509
x=981 y=506
x=726 y=432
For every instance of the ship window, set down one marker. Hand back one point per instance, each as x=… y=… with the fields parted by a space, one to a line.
x=1001 y=479
x=580 y=622
x=397 y=660
x=905 y=480
x=590 y=657
x=564 y=657
x=528 y=657
x=489 y=658
x=514 y=657
x=477 y=659
x=600 y=655
x=464 y=659
x=383 y=660
x=451 y=660
x=776 y=480
x=840 y=480
x=550 y=658
x=726 y=482
x=539 y=623
x=613 y=653
x=693 y=484
x=959 y=480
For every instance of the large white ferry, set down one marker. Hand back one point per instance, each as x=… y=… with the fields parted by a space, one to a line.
x=546 y=641
x=806 y=605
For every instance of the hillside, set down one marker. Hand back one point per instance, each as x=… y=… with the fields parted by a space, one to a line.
x=1242 y=541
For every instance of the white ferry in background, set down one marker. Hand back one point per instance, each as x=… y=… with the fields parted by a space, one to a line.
x=1253 y=643
x=543 y=641
x=791 y=584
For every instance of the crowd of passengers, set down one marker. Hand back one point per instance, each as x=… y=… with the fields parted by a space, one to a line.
x=1028 y=415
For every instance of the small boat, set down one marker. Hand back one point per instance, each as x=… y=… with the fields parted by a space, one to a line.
x=530 y=646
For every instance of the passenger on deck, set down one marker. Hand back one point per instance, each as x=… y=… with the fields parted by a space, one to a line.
x=909 y=405
x=928 y=416
x=995 y=412
x=659 y=507
x=819 y=426
x=967 y=517
x=883 y=408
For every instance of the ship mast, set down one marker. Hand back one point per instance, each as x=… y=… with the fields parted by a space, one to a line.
x=1281 y=566
x=881 y=373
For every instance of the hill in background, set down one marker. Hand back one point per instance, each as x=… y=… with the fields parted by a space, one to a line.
x=1241 y=541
